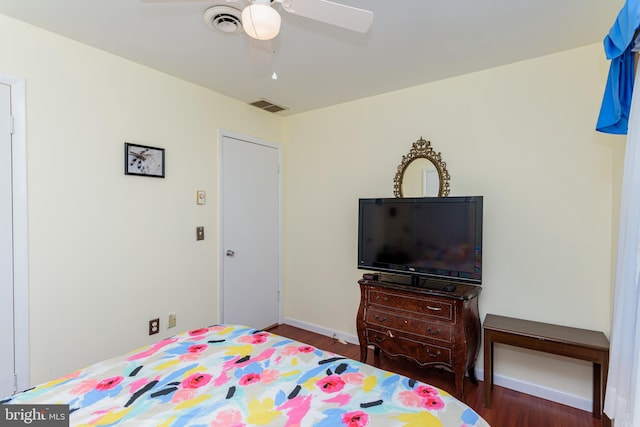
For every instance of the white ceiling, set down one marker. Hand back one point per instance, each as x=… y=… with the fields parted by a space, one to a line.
x=411 y=42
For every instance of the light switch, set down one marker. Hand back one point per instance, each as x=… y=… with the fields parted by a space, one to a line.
x=200 y=233
x=201 y=197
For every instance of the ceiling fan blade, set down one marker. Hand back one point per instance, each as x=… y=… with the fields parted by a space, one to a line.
x=168 y=1
x=180 y=1
x=341 y=15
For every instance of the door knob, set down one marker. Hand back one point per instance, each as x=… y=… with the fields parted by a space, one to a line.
x=230 y=252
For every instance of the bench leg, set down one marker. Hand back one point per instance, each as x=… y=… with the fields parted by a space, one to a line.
x=488 y=369
x=597 y=390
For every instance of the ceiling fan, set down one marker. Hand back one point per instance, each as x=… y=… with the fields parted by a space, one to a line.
x=262 y=22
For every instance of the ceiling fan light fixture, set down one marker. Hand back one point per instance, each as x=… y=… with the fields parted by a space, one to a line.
x=260 y=21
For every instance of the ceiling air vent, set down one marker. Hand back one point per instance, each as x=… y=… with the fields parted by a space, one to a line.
x=268 y=106
x=224 y=19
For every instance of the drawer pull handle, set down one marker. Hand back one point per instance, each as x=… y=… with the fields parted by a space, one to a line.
x=378 y=297
x=434 y=308
x=436 y=354
x=433 y=332
x=378 y=339
x=380 y=319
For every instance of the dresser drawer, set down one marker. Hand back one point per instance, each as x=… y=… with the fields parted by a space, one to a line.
x=398 y=344
x=409 y=324
x=434 y=307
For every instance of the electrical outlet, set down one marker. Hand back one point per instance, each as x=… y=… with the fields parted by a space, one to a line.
x=154 y=326
x=172 y=320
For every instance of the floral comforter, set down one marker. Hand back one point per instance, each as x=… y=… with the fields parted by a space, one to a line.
x=233 y=376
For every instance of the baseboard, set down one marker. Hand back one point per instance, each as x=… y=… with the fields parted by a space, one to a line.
x=351 y=339
x=540 y=391
x=499 y=380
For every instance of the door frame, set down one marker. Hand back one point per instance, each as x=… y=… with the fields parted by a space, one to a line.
x=231 y=134
x=20 y=229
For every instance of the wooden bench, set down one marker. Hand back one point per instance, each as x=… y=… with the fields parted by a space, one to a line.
x=592 y=346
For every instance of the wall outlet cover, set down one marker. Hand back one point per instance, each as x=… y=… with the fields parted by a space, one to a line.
x=154 y=326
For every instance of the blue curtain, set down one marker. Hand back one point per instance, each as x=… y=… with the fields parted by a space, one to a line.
x=618 y=45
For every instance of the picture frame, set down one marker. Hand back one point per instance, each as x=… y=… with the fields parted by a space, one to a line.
x=143 y=160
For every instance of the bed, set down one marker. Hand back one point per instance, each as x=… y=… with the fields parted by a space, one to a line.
x=233 y=376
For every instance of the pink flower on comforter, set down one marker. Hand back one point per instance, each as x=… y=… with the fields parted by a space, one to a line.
x=331 y=384
x=426 y=391
x=109 y=383
x=292 y=350
x=355 y=419
x=249 y=379
x=258 y=338
x=197 y=348
x=198 y=332
x=228 y=418
x=433 y=403
x=196 y=380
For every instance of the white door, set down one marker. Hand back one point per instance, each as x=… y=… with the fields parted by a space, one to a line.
x=250 y=207
x=7 y=365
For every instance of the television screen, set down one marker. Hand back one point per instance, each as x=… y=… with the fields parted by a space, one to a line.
x=437 y=237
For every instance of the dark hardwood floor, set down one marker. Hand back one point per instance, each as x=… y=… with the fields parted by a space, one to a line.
x=509 y=408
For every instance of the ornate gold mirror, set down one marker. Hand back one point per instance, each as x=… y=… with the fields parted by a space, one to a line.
x=421 y=173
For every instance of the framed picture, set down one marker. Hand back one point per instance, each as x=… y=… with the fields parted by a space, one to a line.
x=143 y=160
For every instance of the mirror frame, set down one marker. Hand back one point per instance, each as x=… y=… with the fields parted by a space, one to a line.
x=421 y=149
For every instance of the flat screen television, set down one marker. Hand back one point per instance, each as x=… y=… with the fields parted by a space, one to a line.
x=426 y=237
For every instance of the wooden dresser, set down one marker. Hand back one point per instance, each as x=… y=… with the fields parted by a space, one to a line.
x=429 y=326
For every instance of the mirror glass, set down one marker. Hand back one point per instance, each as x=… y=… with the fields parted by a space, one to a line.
x=420 y=179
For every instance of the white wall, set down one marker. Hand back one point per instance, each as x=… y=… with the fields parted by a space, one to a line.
x=522 y=136
x=108 y=252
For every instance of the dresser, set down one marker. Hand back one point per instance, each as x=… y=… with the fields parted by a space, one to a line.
x=425 y=324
